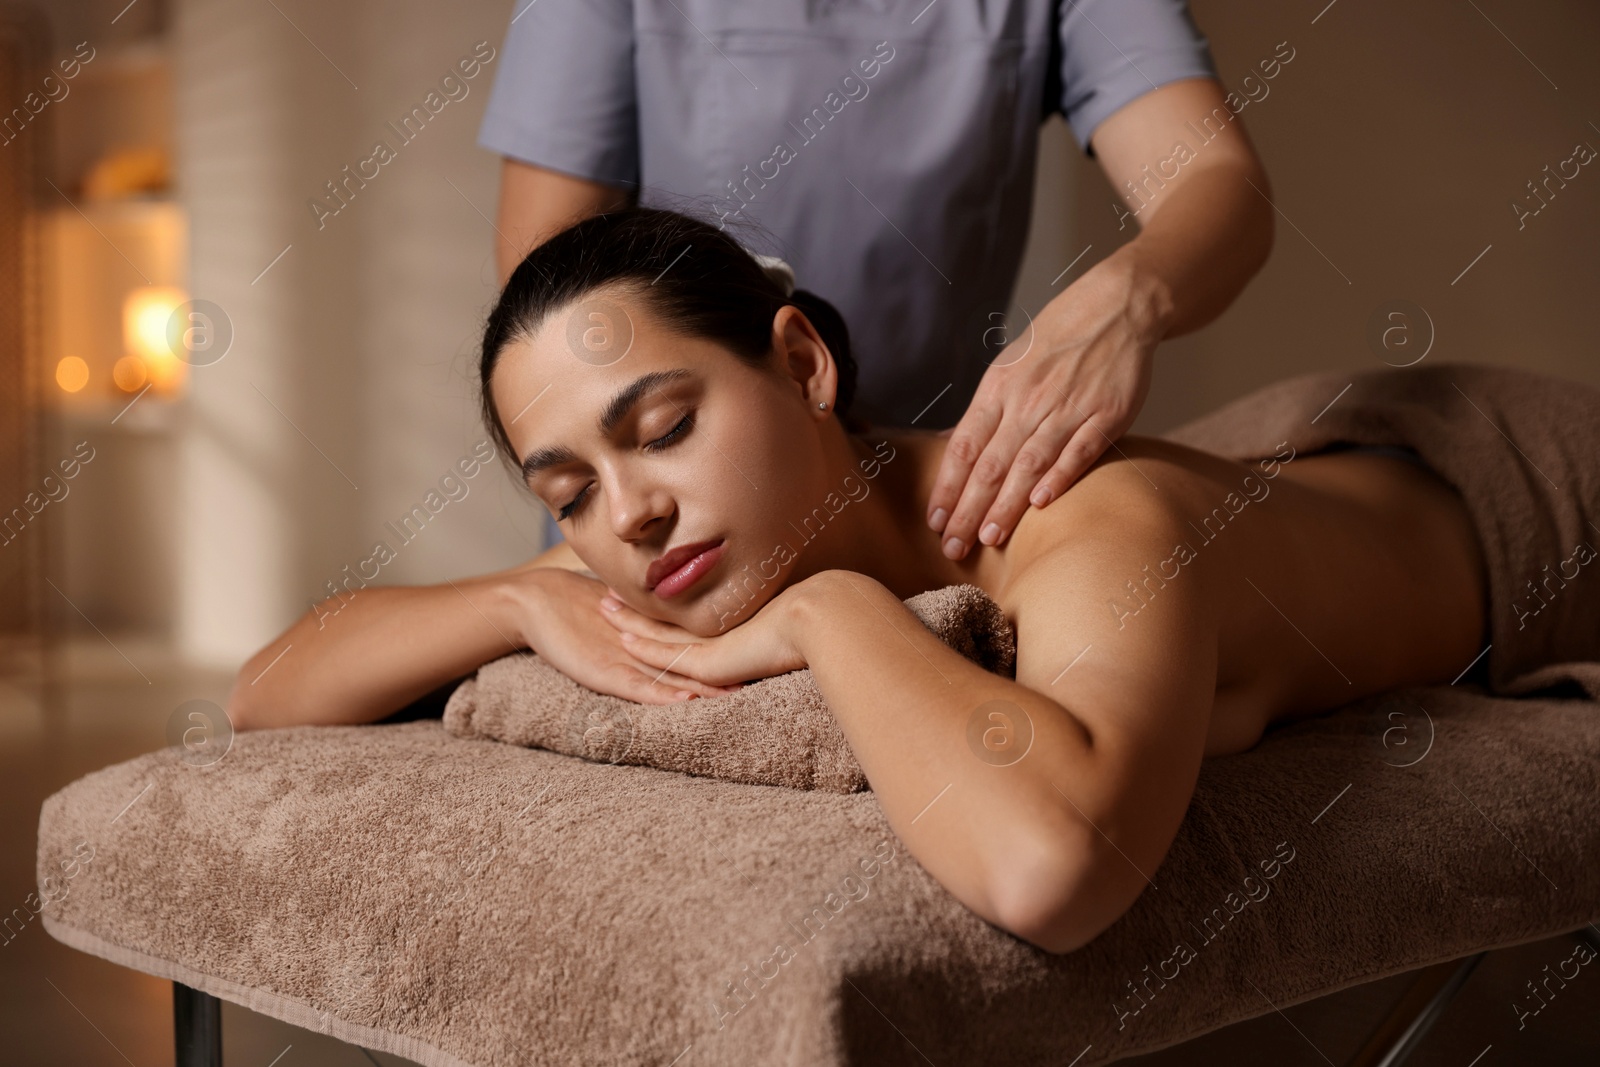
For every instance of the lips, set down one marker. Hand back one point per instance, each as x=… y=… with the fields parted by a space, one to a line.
x=670 y=563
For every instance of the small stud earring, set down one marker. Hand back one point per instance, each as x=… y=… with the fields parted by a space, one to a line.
x=823 y=404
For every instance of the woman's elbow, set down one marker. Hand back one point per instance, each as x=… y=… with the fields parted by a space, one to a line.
x=1264 y=243
x=244 y=711
x=251 y=700
x=1062 y=895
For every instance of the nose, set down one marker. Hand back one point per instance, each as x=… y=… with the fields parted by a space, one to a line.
x=639 y=506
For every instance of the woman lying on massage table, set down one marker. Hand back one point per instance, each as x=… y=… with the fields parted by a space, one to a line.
x=1169 y=607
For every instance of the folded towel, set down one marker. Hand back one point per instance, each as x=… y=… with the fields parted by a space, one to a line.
x=1519 y=447
x=776 y=731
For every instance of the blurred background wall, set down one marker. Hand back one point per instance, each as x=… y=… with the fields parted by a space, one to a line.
x=1396 y=141
x=183 y=165
x=348 y=393
x=186 y=162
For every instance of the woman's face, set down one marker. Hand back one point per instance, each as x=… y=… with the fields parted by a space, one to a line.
x=650 y=446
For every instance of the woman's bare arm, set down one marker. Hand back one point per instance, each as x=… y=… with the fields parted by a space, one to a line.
x=360 y=659
x=1044 y=804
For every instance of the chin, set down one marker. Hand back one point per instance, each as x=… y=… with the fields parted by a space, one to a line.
x=731 y=595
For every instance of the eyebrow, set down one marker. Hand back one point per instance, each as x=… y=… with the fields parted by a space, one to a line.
x=610 y=416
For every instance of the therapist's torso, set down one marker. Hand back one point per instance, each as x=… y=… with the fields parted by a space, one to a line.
x=886 y=151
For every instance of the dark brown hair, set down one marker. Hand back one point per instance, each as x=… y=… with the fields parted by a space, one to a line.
x=696 y=279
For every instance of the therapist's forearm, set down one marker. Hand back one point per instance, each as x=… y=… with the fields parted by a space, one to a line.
x=537 y=203
x=1195 y=255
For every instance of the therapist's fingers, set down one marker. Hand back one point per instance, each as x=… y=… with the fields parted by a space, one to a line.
x=1011 y=444
x=967 y=441
x=1080 y=453
x=1058 y=445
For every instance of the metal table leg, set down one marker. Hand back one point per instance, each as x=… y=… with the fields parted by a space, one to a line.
x=1398 y=1036
x=196 y=1027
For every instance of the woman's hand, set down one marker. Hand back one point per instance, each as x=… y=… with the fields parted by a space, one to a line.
x=1051 y=402
x=759 y=648
x=558 y=614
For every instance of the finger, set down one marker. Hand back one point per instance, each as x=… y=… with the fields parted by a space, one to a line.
x=640 y=685
x=1086 y=446
x=649 y=685
x=662 y=655
x=988 y=474
x=691 y=660
x=967 y=442
x=1034 y=460
x=693 y=685
x=627 y=619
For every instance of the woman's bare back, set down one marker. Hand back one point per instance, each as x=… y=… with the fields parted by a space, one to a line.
x=1332 y=576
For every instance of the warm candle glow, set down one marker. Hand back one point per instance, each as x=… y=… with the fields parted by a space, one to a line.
x=72 y=374
x=145 y=314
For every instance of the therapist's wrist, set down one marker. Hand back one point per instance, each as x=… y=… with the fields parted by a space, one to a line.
x=1146 y=296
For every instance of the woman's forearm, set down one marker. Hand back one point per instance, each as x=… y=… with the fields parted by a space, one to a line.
x=358 y=660
x=995 y=830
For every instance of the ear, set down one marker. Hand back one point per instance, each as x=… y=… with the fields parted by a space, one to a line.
x=804 y=357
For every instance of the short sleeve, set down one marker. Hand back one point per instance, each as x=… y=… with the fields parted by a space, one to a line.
x=1114 y=51
x=564 y=96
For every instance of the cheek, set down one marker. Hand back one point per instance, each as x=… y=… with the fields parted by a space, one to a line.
x=757 y=487
x=753 y=474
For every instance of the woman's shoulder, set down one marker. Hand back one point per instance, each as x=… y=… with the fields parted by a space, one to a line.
x=1139 y=494
x=560 y=555
x=1111 y=619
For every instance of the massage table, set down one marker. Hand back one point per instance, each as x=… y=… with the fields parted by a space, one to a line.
x=464 y=902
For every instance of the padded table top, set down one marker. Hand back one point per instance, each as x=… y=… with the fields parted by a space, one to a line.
x=465 y=902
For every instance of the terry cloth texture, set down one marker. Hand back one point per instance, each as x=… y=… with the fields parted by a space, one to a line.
x=776 y=731
x=463 y=902
x=1523 y=450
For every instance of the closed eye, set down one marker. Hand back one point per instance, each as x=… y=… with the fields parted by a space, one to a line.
x=572 y=506
x=666 y=440
x=673 y=434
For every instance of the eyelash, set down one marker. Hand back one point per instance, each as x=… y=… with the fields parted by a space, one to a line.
x=664 y=441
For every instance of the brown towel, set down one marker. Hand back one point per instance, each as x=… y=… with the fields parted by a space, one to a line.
x=472 y=904
x=1521 y=448
x=777 y=731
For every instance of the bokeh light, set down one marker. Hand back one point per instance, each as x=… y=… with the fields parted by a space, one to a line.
x=130 y=374
x=145 y=313
x=72 y=374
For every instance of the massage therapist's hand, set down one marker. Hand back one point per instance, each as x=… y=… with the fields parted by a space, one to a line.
x=760 y=647
x=558 y=613
x=1052 y=401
